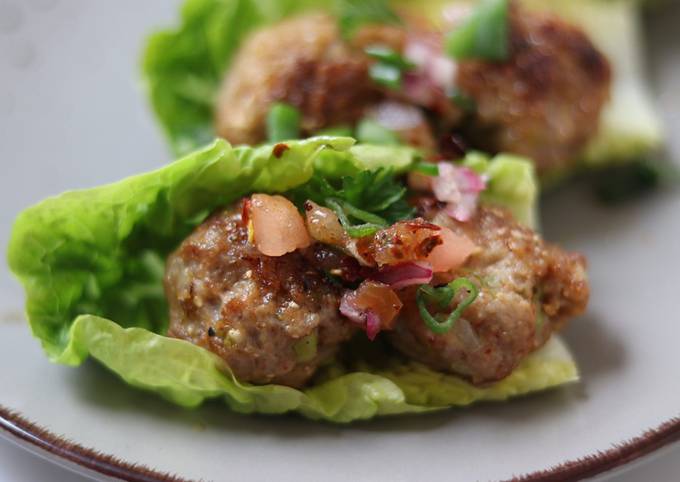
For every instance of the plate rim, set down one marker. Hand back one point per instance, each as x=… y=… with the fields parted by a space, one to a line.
x=618 y=455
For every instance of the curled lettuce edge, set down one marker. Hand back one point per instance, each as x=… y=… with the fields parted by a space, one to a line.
x=188 y=375
x=183 y=68
x=85 y=253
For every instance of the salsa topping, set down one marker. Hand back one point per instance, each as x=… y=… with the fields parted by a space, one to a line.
x=373 y=305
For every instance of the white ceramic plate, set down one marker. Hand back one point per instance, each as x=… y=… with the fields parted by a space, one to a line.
x=72 y=115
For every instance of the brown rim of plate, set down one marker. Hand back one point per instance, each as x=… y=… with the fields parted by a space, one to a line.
x=21 y=428
x=110 y=466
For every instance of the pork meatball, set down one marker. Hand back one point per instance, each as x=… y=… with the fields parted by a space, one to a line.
x=305 y=62
x=527 y=290
x=273 y=320
x=545 y=101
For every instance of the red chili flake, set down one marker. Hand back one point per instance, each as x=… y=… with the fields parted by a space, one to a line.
x=419 y=224
x=245 y=212
x=279 y=149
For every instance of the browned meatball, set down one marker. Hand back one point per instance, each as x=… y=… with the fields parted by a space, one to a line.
x=273 y=320
x=545 y=102
x=305 y=62
x=517 y=274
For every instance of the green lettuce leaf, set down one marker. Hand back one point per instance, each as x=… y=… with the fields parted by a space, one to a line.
x=183 y=67
x=92 y=264
x=511 y=183
x=188 y=375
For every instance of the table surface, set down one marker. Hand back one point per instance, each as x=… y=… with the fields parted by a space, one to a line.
x=18 y=465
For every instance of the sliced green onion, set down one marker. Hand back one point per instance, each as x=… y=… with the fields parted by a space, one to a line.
x=427 y=168
x=389 y=56
x=484 y=35
x=355 y=231
x=371 y=132
x=386 y=75
x=306 y=348
x=390 y=66
x=442 y=297
x=283 y=122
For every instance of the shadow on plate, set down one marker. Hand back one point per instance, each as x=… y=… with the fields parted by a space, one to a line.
x=572 y=216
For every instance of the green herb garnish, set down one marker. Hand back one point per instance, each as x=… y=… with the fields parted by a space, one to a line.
x=352 y=14
x=343 y=210
x=484 y=35
x=389 y=56
x=427 y=168
x=365 y=203
x=386 y=75
x=442 y=298
x=390 y=66
x=283 y=122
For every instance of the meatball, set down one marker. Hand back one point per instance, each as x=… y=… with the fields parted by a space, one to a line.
x=273 y=320
x=305 y=62
x=527 y=290
x=545 y=101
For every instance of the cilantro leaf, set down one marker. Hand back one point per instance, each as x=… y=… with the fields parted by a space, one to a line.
x=373 y=197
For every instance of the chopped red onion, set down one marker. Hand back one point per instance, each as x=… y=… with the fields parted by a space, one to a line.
x=433 y=67
x=463 y=210
x=459 y=188
x=372 y=325
x=405 y=274
x=366 y=318
x=350 y=310
x=373 y=306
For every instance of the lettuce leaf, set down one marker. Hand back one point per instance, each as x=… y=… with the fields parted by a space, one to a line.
x=183 y=67
x=188 y=375
x=92 y=265
x=511 y=183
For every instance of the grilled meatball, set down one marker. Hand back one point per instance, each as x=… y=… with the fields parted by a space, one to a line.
x=305 y=62
x=528 y=289
x=545 y=101
x=262 y=315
